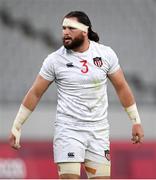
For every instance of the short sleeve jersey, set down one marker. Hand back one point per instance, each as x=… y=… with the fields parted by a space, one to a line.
x=81 y=80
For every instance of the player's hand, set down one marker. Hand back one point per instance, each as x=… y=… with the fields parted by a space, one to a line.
x=137 y=134
x=14 y=138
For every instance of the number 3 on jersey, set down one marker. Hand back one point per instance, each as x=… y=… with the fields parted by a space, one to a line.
x=84 y=66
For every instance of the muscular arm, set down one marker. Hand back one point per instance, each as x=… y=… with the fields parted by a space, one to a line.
x=122 y=88
x=35 y=93
x=29 y=103
x=127 y=100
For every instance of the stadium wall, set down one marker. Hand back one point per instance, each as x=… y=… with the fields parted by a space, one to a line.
x=35 y=161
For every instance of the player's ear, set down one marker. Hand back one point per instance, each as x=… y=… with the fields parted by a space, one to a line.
x=85 y=33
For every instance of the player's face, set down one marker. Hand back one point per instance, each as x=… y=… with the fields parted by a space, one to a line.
x=73 y=42
x=72 y=38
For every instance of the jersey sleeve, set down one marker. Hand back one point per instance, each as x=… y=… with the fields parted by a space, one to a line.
x=113 y=61
x=47 y=69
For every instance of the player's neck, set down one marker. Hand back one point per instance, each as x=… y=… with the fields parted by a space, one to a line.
x=84 y=47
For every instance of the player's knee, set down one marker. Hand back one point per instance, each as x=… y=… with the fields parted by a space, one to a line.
x=69 y=170
x=97 y=170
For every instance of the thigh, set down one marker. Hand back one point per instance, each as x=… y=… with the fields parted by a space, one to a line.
x=98 y=146
x=96 y=170
x=69 y=146
x=69 y=170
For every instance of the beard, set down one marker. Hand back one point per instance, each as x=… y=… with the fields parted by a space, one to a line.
x=74 y=44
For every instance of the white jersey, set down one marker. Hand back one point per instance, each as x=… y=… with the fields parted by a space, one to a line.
x=81 y=80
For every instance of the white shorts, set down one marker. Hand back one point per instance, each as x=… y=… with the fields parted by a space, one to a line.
x=74 y=143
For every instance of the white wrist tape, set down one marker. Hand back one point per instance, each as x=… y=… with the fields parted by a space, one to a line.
x=133 y=114
x=21 y=117
x=75 y=24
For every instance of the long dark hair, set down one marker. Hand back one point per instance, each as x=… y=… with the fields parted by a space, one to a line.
x=84 y=19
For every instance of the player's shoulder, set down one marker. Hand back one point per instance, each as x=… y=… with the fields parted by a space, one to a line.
x=54 y=56
x=102 y=47
x=62 y=50
x=107 y=51
x=58 y=52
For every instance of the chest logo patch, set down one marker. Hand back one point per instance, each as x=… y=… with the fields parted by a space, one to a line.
x=98 y=61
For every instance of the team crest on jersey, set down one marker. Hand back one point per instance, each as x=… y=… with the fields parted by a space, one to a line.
x=98 y=61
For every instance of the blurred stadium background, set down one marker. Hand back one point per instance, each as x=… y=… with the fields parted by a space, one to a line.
x=29 y=31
